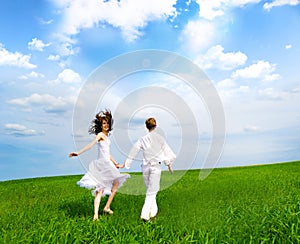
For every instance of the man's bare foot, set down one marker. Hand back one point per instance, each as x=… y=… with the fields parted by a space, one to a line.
x=95 y=217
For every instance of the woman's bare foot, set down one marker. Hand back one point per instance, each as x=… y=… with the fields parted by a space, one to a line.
x=95 y=217
x=108 y=211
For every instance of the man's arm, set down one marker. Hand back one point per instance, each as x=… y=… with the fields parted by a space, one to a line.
x=170 y=168
x=133 y=152
x=169 y=155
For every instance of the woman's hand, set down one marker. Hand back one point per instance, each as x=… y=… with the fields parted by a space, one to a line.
x=73 y=154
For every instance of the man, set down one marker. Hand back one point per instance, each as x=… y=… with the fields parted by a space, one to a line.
x=155 y=151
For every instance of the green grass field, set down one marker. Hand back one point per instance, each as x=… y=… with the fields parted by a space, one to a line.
x=257 y=204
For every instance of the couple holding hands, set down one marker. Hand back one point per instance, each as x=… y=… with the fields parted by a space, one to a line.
x=103 y=175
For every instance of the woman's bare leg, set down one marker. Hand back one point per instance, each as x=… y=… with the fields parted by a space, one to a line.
x=97 y=203
x=111 y=197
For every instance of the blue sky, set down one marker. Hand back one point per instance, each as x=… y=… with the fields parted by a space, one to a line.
x=249 y=49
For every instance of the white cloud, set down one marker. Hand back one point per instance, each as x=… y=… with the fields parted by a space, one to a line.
x=37 y=45
x=45 y=22
x=296 y=90
x=67 y=49
x=54 y=57
x=251 y=128
x=278 y=3
x=210 y=9
x=49 y=103
x=243 y=89
x=288 y=46
x=260 y=70
x=67 y=76
x=216 y=58
x=230 y=93
x=64 y=46
x=271 y=77
x=128 y=15
x=14 y=59
x=21 y=130
x=31 y=75
x=271 y=94
x=227 y=83
x=197 y=35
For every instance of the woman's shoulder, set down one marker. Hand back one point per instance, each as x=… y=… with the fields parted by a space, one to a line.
x=101 y=136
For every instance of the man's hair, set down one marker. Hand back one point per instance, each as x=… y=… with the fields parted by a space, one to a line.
x=150 y=123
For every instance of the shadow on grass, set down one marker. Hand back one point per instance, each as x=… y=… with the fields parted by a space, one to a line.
x=78 y=208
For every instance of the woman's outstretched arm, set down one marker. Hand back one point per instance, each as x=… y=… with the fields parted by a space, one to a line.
x=86 y=147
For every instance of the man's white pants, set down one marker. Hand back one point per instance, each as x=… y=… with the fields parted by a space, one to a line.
x=151 y=174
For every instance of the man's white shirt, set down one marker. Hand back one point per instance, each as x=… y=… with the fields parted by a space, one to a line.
x=154 y=148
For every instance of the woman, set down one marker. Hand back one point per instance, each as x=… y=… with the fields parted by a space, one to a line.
x=102 y=176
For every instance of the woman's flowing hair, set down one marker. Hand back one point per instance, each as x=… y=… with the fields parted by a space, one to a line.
x=96 y=125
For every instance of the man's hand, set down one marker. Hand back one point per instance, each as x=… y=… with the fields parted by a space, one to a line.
x=170 y=168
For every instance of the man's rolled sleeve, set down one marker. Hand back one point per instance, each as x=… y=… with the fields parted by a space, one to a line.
x=169 y=155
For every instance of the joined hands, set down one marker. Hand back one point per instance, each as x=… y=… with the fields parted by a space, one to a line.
x=120 y=166
x=73 y=154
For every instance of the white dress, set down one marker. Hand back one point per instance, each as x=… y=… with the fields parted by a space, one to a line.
x=102 y=172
